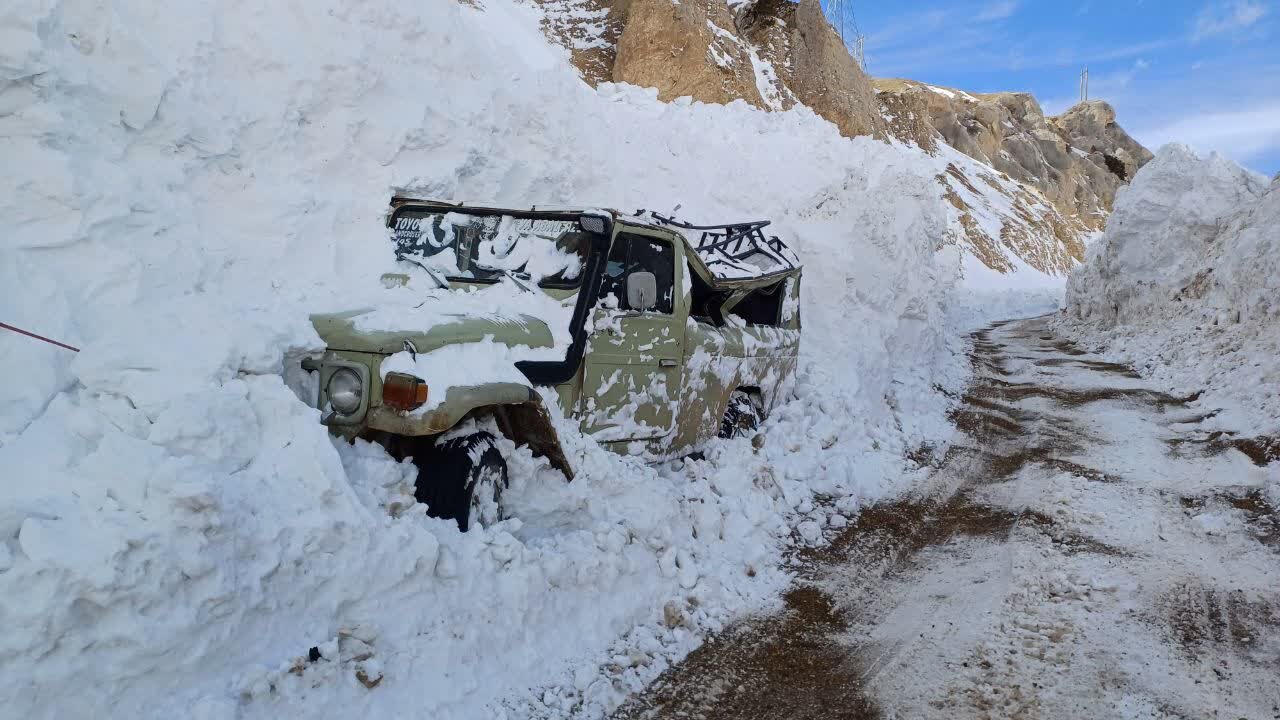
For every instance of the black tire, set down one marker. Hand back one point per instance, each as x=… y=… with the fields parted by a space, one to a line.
x=741 y=417
x=463 y=479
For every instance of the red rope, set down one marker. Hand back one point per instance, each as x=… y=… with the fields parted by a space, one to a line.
x=38 y=337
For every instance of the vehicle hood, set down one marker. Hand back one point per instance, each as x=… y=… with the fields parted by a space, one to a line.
x=343 y=331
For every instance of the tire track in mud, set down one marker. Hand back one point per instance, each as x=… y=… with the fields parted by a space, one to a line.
x=843 y=629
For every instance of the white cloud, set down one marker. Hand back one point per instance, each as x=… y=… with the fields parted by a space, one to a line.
x=998 y=10
x=1113 y=85
x=1240 y=135
x=1225 y=18
x=1087 y=56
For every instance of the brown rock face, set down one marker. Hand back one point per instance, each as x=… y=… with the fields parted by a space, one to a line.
x=812 y=63
x=906 y=117
x=828 y=79
x=1076 y=160
x=685 y=49
x=589 y=29
x=767 y=25
x=772 y=54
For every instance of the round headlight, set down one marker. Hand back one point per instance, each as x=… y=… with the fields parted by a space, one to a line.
x=345 y=390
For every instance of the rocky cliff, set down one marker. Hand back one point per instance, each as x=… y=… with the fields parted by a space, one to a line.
x=1076 y=160
x=1026 y=188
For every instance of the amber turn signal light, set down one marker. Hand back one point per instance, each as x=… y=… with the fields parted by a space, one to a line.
x=403 y=392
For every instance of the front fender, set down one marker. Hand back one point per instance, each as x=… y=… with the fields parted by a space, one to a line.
x=458 y=402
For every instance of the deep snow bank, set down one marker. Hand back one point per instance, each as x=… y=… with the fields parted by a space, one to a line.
x=985 y=295
x=1185 y=284
x=176 y=529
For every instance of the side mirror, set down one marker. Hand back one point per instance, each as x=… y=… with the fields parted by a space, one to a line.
x=642 y=290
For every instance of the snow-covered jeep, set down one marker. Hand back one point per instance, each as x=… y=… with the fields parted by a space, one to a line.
x=653 y=334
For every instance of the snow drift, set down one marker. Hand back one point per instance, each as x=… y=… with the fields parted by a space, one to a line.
x=1185 y=285
x=177 y=530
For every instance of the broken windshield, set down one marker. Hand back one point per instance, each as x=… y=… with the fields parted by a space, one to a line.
x=485 y=248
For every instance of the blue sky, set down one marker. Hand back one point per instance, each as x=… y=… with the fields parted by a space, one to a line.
x=1206 y=73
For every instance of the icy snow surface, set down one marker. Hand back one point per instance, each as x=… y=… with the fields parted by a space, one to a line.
x=177 y=529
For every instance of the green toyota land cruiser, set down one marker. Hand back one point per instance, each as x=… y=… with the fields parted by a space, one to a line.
x=653 y=334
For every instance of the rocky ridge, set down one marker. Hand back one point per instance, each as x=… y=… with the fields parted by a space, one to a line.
x=1076 y=160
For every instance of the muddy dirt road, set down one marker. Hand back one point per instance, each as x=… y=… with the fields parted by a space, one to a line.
x=1085 y=550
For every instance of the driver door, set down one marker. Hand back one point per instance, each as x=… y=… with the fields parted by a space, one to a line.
x=632 y=375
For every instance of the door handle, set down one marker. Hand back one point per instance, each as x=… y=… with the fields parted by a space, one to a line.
x=666 y=362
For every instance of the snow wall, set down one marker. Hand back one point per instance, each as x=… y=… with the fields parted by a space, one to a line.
x=1185 y=285
x=177 y=529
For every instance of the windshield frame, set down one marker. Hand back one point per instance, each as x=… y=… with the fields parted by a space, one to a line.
x=443 y=208
x=548 y=372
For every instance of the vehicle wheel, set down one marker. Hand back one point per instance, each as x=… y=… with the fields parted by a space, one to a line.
x=463 y=478
x=741 y=417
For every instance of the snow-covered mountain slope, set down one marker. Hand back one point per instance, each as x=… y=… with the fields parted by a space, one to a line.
x=177 y=530
x=1025 y=199
x=1185 y=284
